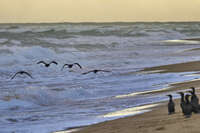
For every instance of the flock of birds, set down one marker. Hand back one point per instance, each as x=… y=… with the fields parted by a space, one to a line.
x=188 y=106
x=54 y=62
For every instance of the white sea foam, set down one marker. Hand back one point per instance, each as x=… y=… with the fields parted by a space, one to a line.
x=131 y=111
x=63 y=99
x=3 y=40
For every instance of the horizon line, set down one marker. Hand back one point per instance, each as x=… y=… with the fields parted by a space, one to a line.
x=96 y=22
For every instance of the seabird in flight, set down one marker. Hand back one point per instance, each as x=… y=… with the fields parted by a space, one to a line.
x=71 y=65
x=22 y=72
x=95 y=71
x=47 y=64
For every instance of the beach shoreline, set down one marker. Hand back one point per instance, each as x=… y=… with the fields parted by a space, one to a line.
x=156 y=120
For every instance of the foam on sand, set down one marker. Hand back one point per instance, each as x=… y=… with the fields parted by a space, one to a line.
x=131 y=111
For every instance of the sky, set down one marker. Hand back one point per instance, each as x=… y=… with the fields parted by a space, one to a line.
x=36 y=11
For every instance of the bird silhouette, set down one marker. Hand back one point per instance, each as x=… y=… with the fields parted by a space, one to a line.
x=194 y=96
x=95 y=71
x=194 y=101
x=182 y=103
x=47 y=64
x=71 y=65
x=171 y=105
x=187 y=107
x=21 y=72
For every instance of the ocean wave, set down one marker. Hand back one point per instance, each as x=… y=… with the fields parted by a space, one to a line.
x=84 y=30
x=13 y=27
x=17 y=54
x=68 y=96
x=3 y=40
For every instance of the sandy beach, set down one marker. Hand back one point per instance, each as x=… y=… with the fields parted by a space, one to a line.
x=157 y=120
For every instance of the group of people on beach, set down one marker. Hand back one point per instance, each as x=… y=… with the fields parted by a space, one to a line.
x=188 y=106
x=54 y=62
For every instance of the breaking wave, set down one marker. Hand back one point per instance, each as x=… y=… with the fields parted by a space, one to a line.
x=68 y=96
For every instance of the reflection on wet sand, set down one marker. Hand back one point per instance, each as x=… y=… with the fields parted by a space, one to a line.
x=131 y=111
x=185 y=41
x=68 y=131
x=141 y=93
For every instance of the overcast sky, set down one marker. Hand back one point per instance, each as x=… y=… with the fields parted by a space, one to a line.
x=98 y=10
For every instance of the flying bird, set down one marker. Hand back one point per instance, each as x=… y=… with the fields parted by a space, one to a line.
x=95 y=71
x=22 y=72
x=71 y=65
x=47 y=64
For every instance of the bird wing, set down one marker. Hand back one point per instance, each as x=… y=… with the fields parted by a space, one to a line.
x=15 y=75
x=28 y=74
x=104 y=70
x=64 y=66
x=42 y=62
x=78 y=65
x=87 y=72
x=54 y=62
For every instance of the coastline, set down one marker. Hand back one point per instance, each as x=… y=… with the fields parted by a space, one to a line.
x=156 y=120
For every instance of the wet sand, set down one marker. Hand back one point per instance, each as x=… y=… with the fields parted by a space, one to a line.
x=174 y=68
x=193 y=39
x=158 y=120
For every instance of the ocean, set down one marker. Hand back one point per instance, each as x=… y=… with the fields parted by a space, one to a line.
x=58 y=99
